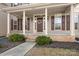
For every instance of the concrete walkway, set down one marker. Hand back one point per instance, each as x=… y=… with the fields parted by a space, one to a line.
x=19 y=50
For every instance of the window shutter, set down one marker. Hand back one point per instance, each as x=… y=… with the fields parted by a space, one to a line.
x=21 y=21
x=27 y=26
x=28 y=20
x=19 y=24
x=63 y=22
x=11 y=24
x=67 y=22
x=52 y=22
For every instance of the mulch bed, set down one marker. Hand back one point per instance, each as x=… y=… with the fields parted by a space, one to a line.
x=65 y=45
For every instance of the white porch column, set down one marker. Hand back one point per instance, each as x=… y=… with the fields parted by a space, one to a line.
x=72 y=25
x=24 y=22
x=78 y=22
x=8 y=24
x=46 y=21
x=33 y=24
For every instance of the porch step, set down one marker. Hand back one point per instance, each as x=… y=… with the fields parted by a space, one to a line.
x=30 y=40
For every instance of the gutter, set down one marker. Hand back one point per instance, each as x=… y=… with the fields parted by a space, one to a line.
x=25 y=6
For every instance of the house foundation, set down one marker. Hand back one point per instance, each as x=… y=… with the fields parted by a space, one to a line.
x=61 y=38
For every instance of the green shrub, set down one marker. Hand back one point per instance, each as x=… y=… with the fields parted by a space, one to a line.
x=43 y=40
x=16 y=37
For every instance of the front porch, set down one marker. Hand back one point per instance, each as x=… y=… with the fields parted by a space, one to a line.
x=52 y=21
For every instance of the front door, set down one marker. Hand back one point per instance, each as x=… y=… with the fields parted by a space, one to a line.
x=39 y=24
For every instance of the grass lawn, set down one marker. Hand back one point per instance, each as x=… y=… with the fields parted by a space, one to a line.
x=55 y=49
x=52 y=52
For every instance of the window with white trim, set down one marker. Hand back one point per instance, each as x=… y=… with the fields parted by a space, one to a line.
x=58 y=22
x=76 y=21
x=15 y=25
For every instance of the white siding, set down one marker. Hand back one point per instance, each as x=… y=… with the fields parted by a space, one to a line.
x=3 y=23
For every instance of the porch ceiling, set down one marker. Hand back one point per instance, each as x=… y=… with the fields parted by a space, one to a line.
x=52 y=10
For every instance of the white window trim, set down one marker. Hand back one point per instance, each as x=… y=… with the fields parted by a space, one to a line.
x=61 y=22
x=43 y=23
x=76 y=14
x=26 y=24
x=15 y=24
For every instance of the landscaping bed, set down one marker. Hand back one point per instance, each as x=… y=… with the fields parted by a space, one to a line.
x=6 y=44
x=55 y=49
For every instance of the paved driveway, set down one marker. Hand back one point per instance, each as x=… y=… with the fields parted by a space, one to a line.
x=6 y=44
x=19 y=50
